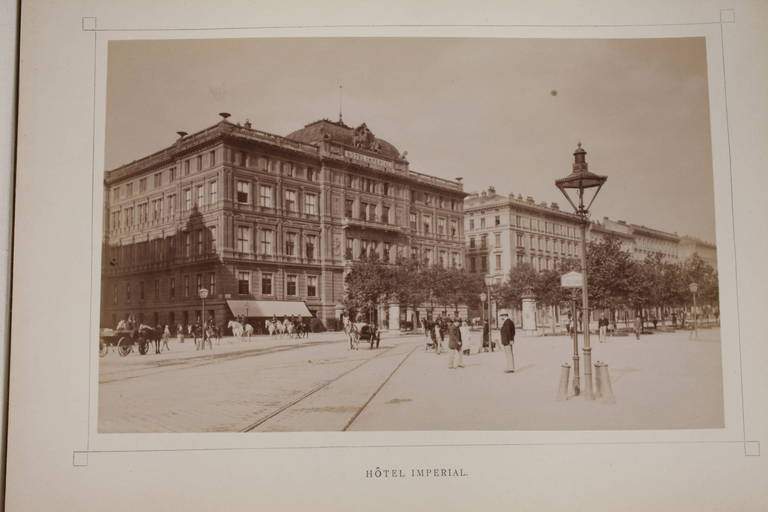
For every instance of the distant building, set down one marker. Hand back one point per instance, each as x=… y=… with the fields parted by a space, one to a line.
x=267 y=224
x=689 y=246
x=505 y=231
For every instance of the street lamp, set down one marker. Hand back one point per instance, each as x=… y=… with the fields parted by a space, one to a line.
x=694 y=287
x=583 y=183
x=203 y=294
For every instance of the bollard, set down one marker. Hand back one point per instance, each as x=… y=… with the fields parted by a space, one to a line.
x=606 y=389
x=562 y=390
x=598 y=389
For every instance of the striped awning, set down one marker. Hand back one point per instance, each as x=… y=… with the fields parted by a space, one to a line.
x=268 y=308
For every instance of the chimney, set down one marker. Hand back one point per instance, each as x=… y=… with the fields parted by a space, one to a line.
x=491 y=190
x=247 y=124
x=224 y=115
x=555 y=206
x=181 y=134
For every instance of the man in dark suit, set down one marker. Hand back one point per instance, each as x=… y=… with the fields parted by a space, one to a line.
x=507 y=340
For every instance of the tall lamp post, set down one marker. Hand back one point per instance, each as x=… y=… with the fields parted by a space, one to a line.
x=583 y=183
x=694 y=287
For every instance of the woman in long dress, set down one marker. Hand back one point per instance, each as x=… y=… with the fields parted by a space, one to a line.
x=466 y=337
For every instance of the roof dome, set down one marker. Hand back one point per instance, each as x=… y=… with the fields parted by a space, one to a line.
x=360 y=137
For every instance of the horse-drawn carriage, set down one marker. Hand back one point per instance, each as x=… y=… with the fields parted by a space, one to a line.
x=361 y=331
x=124 y=340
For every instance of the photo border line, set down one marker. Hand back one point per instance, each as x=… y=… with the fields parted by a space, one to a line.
x=89 y=24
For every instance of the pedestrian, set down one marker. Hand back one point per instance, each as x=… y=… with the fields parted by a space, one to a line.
x=638 y=326
x=180 y=333
x=507 y=340
x=466 y=337
x=454 y=345
x=166 y=337
x=602 y=325
x=569 y=324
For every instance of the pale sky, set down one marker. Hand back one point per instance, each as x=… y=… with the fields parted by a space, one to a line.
x=482 y=109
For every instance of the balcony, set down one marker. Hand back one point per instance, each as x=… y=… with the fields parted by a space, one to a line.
x=351 y=222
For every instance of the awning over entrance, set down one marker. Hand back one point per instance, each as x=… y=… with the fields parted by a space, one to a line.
x=268 y=308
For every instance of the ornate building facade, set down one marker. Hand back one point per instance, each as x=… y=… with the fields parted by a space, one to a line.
x=267 y=224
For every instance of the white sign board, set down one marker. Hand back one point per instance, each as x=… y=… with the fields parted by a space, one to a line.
x=571 y=279
x=203 y=293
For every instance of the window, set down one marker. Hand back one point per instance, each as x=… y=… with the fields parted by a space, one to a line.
x=187 y=198
x=443 y=258
x=385 y=214
x=243 y=188
x=128 y=292
x=311 y=174
x=199 y=162
x=128 y=216
x=200 y=196
x=519 y=259
x=498 y=262
x=129 y=189
x=186 y=286
x=199 y=242
x=483 y=241
x=454 y=228
x=171 y=174
x=472 y=242
x=115 y=294
x=266 y=241
x=289 y=169
x=142 y=185
x=290 y=244
x=263 y=164
x=483 y=264
x=266 y=283
x=290 y=285
x=212 y=158
x=241 y=158
x=427 y=224
x=518 y=221
x=412 y=220
x=348 y=204
x=312 y=286
x=211 y=284
x=290 y=200
x=387 y=250
x=348 y=250
x=471 y=224
x=213 y=192
x=311 y=243
x=472 y=267
x=497 y=240
x=157 y=206
x=482 y=222
x=440 y=226
x=519 y=239
x=497 y=220
x=265 y=196
x=387 y=189
x=171 y=205
x=414 y=253
x=199 y=283
x=243 y=283
x=310 y=204
x=243 y=239
x=187 y=244
x=172 y=287
x=186 y=167
x=212 y=245
x=454 y=259
x=158 y=180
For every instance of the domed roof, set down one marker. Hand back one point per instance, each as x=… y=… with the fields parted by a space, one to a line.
x=360 y=137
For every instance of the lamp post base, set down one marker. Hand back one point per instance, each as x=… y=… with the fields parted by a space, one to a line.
x=588 y=373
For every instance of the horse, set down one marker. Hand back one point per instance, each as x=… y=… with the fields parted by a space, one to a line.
x=237 y=328
x=354 y=336
x=152 y=335
x=248 y=331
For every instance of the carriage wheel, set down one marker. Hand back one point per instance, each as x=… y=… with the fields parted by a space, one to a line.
x=103 y=348
x=143 y=347
x=124 y=346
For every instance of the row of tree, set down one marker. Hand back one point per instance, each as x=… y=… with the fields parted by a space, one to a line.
x=616 y=281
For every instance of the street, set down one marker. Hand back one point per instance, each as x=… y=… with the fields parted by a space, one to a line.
x=663 y=381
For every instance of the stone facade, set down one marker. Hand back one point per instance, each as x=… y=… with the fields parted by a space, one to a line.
x=251 y=215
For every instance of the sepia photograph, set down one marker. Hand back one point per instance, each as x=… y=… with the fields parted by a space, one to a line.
x=408 y=234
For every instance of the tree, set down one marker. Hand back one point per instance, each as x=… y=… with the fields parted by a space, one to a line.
x=368 y=283
x=521 y=278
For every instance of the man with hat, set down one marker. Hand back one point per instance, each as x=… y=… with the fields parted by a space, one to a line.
x=507 y=339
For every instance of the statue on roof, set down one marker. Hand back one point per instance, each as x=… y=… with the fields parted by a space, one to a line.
x=363 y=138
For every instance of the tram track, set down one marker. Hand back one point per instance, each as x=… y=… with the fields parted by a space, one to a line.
x=292 y=403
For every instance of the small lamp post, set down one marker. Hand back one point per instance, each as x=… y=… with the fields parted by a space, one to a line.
x=583 y=183
x=483 y=298
x=694 y=288
x=203 y=294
